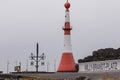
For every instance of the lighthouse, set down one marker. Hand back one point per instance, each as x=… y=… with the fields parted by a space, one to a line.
x=67 y=63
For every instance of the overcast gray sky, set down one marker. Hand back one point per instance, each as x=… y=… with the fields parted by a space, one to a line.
x=23 y=23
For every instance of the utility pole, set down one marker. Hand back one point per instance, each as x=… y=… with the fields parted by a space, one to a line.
x=47 y=66
x=27 y=65
x=54 y=65
x=7 y=66
x=37 y=58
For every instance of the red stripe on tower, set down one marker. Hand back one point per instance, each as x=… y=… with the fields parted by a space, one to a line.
x=67 y=63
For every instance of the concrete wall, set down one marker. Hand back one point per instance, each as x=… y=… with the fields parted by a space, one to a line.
x=100 y=66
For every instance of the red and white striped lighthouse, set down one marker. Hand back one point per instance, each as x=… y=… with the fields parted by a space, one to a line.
x=67 y=63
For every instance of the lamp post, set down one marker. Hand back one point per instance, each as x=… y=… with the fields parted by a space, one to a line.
x=37 y=58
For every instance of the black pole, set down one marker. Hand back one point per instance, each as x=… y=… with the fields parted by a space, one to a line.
x=37 y=51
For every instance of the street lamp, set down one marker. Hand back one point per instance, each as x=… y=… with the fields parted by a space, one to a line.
x=37 y=58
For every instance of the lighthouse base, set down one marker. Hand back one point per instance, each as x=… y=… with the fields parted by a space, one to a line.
x=67 y=63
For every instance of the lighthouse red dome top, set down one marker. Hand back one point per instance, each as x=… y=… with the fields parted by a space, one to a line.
x=67 y=5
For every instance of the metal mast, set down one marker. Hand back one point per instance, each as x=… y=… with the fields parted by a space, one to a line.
x=37 y=51
x=37 y=58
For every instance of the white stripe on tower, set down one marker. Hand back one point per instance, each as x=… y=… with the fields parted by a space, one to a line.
x=67 y=17
x=67 y=43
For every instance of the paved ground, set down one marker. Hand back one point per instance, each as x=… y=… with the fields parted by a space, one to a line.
x=73 y=76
